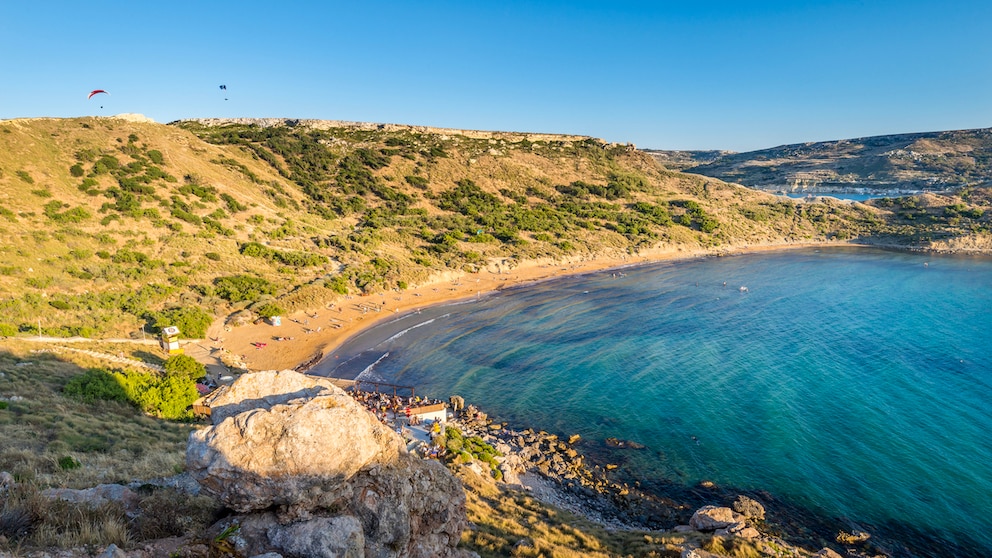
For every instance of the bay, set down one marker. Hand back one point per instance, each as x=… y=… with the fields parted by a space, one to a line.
x=853 y=382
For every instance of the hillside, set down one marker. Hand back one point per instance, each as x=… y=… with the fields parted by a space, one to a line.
x=896 y=164
x=112 y=224
x=115 y=227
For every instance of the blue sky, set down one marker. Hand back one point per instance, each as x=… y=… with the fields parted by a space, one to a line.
x=664 y=75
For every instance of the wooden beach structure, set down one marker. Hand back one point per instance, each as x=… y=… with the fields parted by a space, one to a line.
x=201 y=407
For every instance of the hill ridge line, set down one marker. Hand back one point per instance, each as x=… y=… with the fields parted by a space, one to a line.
x=319 y=124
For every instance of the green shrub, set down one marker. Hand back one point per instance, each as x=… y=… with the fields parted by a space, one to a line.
x=74 y=215
x=192 y=321
x=156 y=156
x=232 y=204
x=255 y=250
x=7 y=330
x=25 y=176
x=171 y=398
x=237 y=288
x=68 y=463
x=417 y=182
x=4 y=405
x=76 y=170
x=214 y=256
x=185 y=366
x=95 y=385
x=268 y=310
x=337 y=284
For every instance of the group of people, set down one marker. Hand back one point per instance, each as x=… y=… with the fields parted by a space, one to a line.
x=394 y=411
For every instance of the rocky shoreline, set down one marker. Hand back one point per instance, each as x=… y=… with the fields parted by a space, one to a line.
x=553 y=469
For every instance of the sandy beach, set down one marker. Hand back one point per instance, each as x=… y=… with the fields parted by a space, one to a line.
x=306 y=337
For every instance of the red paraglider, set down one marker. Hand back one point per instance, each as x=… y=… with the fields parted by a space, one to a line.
x=95 y=91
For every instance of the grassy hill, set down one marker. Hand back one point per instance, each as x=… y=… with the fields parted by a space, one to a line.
x=921 y=162
x=111 y=225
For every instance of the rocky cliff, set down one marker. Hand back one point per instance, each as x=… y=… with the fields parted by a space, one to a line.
x=313 y=474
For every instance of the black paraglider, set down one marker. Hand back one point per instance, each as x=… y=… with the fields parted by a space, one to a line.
x=223 y=88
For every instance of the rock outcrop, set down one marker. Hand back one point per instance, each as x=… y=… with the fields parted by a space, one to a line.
x=711 y=518
x=314 y=474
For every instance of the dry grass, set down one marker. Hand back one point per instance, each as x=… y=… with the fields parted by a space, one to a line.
x=511 y=523
x=112 y=442
x=42 y=433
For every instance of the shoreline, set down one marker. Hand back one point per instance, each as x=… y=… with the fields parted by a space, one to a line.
x=308 y=337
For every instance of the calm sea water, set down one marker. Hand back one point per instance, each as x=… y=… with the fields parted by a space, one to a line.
x=856 y=383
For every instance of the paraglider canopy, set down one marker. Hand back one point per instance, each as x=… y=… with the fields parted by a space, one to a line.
x=224 y=87
x=95 y=91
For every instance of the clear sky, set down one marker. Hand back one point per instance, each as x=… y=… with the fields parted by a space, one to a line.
x=738 y=75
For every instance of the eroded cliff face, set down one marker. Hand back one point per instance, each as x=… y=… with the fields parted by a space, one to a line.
x=314 y=474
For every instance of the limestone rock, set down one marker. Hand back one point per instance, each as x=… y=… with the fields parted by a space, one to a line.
x=334 y=537
x=97 y=496
x=264 y=390
x=741 y=530
x=711 y=518
x=285 y=454
x=749 y=508
x=317 y=475
x=112 y=551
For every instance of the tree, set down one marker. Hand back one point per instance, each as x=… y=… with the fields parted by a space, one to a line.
x=268 y=310
x=192 y=321
x=184 y=366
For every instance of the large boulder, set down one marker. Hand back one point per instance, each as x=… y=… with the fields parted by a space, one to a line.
x=297 y=455
x=711 y=518
x=749 y=508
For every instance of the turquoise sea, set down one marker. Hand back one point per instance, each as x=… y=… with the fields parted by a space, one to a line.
x=855 y=383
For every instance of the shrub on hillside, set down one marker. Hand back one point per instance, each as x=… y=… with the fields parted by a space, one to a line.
x=337 y=284
x=95 y=385
x=255 y=250
x=268 y=310
x=192 y=321
x=417 y=181
x=185 y=366
x=169 y=397
x=232 y=204
x=74 y=215
x=237 y=288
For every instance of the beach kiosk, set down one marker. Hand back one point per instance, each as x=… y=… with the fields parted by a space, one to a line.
x=170 y=340
x=429 y=413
